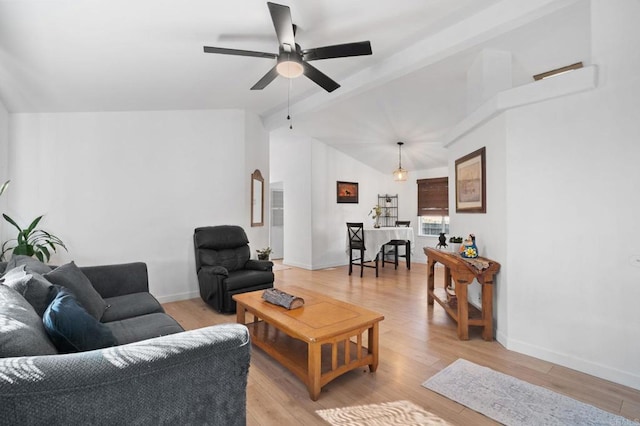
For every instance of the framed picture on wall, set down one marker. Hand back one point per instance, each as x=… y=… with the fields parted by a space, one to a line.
x=471 y=179
x=347 y=192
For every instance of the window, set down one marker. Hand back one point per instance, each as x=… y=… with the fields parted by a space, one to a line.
x=433 y=206
x=433 y=225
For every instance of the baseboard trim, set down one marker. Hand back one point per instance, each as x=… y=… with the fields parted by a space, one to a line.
x=604 y=372
x=178 y=296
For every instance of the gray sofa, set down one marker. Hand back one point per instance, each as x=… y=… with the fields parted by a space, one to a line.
x=156 y=374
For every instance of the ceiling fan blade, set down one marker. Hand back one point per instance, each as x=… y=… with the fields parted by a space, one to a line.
x=319 y=77
x=337 y=51
x=281 y=17
x=266 y=79
x=224 y=51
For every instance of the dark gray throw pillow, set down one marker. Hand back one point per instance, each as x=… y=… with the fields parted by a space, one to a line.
x=71 y=277
x=71 y=327
x=32 y=264
x=22 y=331
x=30 y=285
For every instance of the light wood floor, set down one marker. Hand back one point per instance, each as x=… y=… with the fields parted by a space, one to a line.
x=416 y=342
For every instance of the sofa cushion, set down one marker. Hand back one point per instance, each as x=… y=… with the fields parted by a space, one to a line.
x=32 y=264
x=30 y=285
x=71 y=277
x=22 y=331
x=143 y=327
x=70 y=327
x=129 y=306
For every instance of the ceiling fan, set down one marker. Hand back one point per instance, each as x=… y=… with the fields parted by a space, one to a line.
x=293 y=61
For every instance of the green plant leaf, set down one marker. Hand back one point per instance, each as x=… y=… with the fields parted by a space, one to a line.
x=11 y=221
x=34 y=224
x=4 y=186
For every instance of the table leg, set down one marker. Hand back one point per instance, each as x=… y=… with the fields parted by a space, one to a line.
x=314 y=364
x=373 y=347
x=463 y=311
x=487 y=311
x=431 y=276
x=447 y=277
x=407 y=251
x=240 y=314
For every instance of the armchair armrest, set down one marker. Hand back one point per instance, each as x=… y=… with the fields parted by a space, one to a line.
x=210 y=280
x=214 y=270
x=196 y=377
x=259 y=265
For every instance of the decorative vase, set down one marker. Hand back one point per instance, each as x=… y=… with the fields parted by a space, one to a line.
x=376 y=224
x=469 y=248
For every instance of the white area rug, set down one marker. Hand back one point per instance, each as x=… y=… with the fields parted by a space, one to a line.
x=514 y=402
x=401 y=413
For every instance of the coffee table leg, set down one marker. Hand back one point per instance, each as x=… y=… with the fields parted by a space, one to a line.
x=314 y=370
x=373 y=347
x=240 y=314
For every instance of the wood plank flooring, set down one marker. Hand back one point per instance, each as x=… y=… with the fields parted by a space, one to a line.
x=416 y=342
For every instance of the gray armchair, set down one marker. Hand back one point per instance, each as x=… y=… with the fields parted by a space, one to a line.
x=224 y=266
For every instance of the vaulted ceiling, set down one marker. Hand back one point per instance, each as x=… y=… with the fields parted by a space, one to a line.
x=100 y=55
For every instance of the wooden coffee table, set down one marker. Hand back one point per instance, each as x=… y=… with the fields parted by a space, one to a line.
x=317 y=342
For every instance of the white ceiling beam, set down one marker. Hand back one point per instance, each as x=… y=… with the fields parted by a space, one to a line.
x=489 y=23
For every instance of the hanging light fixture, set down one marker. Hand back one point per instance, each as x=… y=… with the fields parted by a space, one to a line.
x=400 y=174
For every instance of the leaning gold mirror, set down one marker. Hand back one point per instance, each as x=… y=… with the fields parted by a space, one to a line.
x=257 y=199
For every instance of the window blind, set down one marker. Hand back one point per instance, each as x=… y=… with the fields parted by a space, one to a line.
x=433 y=197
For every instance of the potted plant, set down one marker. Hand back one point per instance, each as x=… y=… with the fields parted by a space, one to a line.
x=455 y=243
x=375 y=213
x=263 y=254
x=30 y=241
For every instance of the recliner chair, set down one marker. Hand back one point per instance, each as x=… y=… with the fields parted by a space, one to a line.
x=224 y=266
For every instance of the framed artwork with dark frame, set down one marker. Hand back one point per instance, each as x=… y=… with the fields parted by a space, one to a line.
x=471 y=179
x=347 y=192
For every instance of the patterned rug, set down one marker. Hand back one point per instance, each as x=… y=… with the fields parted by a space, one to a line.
x=514 y=402
x=400 y=413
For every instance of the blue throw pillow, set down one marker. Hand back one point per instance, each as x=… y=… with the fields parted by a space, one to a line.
x=70 y=327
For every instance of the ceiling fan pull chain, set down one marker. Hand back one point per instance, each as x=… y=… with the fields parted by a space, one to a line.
x=289 y=104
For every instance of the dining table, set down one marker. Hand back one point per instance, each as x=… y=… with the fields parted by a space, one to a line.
x=375 y=238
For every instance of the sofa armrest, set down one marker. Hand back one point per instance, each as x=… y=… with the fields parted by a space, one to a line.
x=194 y=377
x=259 y=265
x=118 y=280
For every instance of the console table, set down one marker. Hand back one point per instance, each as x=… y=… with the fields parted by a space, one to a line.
x=463 y=273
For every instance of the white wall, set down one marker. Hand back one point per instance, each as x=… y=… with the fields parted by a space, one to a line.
x=256 y=143
x=314 y=223
x=574 y=174
x=4 y=163
x=490 y=228
x=562 y=213
x=132 y=186
x=290 y=160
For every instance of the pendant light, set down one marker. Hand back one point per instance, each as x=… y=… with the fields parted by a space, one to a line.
x=400 y=174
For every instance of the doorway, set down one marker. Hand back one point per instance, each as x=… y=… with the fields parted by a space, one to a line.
x=276 y=229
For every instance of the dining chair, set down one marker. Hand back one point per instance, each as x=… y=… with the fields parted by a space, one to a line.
x=395 y=245
x=355 y=232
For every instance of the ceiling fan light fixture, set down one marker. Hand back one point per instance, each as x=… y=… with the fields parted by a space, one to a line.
x=289 y=68
x=400 y=174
